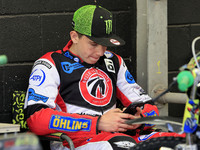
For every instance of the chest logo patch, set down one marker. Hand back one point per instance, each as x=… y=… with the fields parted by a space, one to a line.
x=70 y=67
x=96 y=87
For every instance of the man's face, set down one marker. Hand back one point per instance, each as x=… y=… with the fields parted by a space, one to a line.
x=88 y=51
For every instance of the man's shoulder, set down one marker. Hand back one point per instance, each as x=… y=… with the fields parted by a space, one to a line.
x=48 y=56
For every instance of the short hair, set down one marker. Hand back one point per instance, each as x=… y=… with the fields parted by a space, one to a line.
x=79 y=35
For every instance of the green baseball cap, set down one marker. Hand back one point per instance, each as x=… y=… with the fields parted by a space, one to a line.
x=95 y=22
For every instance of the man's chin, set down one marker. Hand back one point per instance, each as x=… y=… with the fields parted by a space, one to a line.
x=93 y=61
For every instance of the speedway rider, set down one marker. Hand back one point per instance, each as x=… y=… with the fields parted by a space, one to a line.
x=75 y=90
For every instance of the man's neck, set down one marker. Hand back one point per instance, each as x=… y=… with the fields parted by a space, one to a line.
x=73 y=49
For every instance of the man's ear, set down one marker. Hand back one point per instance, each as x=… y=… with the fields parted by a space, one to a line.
x=74 y=36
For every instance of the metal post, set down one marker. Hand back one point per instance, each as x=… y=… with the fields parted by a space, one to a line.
x=152 y=53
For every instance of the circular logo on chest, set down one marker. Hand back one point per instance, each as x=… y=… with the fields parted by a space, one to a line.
x=96 y=87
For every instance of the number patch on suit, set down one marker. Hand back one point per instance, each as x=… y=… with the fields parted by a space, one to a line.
x=109 y=65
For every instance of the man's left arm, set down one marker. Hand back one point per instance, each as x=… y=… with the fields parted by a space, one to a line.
x=129 y=91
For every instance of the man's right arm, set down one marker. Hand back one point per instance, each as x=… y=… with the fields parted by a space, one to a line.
x=41 y=105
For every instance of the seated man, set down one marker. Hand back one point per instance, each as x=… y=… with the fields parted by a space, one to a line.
x=75 y=90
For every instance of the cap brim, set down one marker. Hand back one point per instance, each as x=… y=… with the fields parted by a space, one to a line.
x=110 y=41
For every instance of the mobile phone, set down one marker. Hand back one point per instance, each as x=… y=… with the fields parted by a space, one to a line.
x=131 y=109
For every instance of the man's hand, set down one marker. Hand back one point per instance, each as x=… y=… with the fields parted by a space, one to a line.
x=114 y=121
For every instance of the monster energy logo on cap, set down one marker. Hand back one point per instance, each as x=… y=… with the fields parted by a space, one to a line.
x=108 y=26
x=96 y=23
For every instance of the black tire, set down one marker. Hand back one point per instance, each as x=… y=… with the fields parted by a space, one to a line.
x=156 y=143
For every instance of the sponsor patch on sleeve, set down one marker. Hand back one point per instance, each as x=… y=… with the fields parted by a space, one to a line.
x=36 y=97
x=69 y=124
x=129 y=77
x=42 y=62
x=37 y=78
